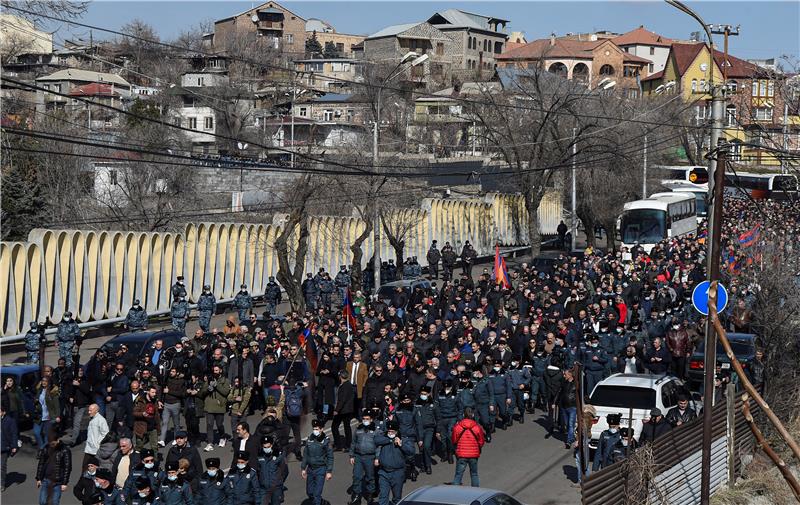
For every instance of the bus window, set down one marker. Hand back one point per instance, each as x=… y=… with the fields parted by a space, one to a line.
x=700 y=204
x=643 y=226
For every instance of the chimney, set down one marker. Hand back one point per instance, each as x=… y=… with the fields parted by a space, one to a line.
x=552 y=39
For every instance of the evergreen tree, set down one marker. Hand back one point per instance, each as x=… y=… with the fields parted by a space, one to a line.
x=23 y=202
x=330 y=50
x=313 y=47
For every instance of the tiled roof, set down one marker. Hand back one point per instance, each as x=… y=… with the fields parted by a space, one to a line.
x=641 y=36
x=561 y=48
x=462 y=19
x=685 y=54
x=76 y=74
x=628 y=57
x=94 y=89
x=651 y=77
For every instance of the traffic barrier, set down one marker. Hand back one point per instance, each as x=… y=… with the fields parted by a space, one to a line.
x=96 y=274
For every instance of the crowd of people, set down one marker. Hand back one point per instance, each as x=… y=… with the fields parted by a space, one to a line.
x=431 y=374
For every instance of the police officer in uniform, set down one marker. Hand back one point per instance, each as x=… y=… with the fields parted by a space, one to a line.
x=32 y=344
x=501 y=387
x=594 y=363
x=433 y=258
x=484 y=402
x=425 y=419
x=317 y=464
x=342 y=280
x=145 y=495
x=211 y=486
x=520 y=378
x=404 y=415
x=310 y=292
x=146 y=468
x=272 y=295
x=362 y=457
x=172 y=489
x=243 y=302
x=242 y=485
x=179 y=313
x=136 y=319
x=67 y=333
x=179 y=288
x=393 y=452
x=271 y=469
x=326 y=287
x=206 y=306
x=609 y=444
x=539 y=363
x=449 y=407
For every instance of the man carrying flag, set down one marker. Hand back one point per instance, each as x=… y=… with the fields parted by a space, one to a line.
x=349 y=313
x=500 y=270
x=749 y=238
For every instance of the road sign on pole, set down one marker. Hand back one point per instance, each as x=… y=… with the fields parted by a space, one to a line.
x=700 y=297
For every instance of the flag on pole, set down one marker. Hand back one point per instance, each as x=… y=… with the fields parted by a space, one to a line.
x=307 y=342
x=348 y=311
x=750 y=237
x=500 y=270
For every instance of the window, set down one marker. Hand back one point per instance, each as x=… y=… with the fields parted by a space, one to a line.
x=209 y=123
x=762 y=113
x=730 y=115
x=629 y=71
x=201 y=81
x=652 y=50
x=702 y=85
x=771 y=88
x=485 y=45
x=327 y=115
x=193 y=123
x=350 y=115
x=606 y=70
x=650 y=67
x=303 y=112
x=694 y=85
x=762 y=91
x=755 y=88
x=732 y=86
x=439 y=48
x=112 y=178
x=340 y=47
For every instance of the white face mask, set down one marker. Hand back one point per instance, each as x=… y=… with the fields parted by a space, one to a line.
x=316 y=433
x=91 y=473
x=423 y=397
x=241 y=466
x=268 y=450
x=366 y=422
x=142 y=494
x=675 y=326
x=149 y=465
x=391 y=435
x=212 y=473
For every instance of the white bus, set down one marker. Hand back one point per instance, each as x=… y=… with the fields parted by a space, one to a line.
x=698 y=190
x=663 y=215
x=688 y=173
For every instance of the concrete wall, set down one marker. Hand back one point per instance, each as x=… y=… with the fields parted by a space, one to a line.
x=97 y=274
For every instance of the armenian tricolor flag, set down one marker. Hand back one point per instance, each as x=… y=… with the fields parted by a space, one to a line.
x=500 y=270
x=348 y=311
x=749 y=238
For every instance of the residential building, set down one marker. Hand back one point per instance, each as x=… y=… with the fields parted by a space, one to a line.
x=64 y=81
x=476 y=39
x=646 y=44
x=344 y=42
x=516 y=39
x=594 y=62
x=389 y=45
x=755 y=102
x=329 y=75
x=18 y=36
x=285 y=30
x=196 y=113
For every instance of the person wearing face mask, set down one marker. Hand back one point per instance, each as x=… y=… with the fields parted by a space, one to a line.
x=104 y=484
x=85 y=487
x=394 y=451
x=243 y=302
x=484 y=401
x=449 y=407
x=500 y=384
x=317 y=465
x=404 y=415
x=426 y=418
x=241 y=483
x=144 y=493
x=136 y=319
x=609 y=444
x=67 y=333
x=211 y=485
x=594 y=363
x=538 y=365
x=173 y=490
x=179 y=288
x=179 y=313
x=520 y=378
x=271 y=468
x=206 y=306
x=362 y=457
x=147 y=468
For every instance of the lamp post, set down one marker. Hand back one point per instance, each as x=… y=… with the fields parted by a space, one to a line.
x=413 y=59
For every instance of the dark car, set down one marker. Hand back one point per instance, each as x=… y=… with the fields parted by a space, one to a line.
x=26 y=377
x=743 y=346
x=386 y=291
x=140 y=342
x=457 y=495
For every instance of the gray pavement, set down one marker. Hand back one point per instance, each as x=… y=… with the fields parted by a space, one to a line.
x=520 y=461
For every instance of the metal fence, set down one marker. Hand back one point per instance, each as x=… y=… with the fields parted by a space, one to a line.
x=674 y=476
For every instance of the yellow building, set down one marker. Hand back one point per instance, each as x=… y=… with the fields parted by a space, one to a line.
x=755 y=104
x=19 y=36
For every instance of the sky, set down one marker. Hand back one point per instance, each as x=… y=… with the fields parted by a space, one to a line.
x=768 y=29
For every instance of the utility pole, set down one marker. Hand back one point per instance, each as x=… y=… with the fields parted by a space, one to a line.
x=376 y=221
x=291 y=111
x=785 y=135
x=644 y=169
x=574 y=224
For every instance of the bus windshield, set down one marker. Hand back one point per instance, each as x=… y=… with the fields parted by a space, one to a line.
x=700 y=204
x=646 y=226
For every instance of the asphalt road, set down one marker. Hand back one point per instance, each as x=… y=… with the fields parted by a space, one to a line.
x=520 y=461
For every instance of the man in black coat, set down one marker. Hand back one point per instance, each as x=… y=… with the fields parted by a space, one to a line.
x=658 y=359
x=245 y=442
x=681 y=413
x=183 y=450
x=655 y=427
x=343 y=413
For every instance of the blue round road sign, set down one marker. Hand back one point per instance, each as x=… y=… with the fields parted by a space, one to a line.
x=700 y=297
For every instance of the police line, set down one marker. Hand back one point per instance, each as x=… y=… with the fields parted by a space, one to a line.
x=96 y=274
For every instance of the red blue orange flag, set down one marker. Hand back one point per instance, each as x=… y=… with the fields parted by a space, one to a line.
x=750 y=237
x=348 y=311
x=500 y=270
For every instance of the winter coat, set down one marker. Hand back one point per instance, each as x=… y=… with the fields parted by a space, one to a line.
x=215 y=395
x=391 y=457
x=468 y=438
x=62 y=461
x=318 y=453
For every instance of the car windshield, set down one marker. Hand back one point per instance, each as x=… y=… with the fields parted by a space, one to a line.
x=646 y=226
x=387 y=292
x=623 y=396
x=133 y=347
x=740 y=348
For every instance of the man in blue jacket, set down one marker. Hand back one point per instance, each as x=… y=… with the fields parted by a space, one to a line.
x=317 y=465
x=392 y=454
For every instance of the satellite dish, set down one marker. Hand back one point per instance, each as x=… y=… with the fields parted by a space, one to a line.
x=660 y=89
x=254 y=18
x=242 y=146
x=610 y=85
x=670 y=84
x=602 y=81
x=703 y=67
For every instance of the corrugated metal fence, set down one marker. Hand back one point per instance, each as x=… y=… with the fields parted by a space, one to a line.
x=674 y=473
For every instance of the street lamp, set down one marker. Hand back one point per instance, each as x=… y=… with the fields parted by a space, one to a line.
x=412 y=59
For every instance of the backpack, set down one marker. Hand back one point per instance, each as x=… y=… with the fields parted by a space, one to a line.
x=294 y=402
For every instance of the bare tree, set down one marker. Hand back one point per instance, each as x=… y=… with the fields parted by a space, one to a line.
x=36 y=9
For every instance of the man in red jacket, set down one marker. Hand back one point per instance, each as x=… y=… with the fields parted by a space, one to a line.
x=468 y=439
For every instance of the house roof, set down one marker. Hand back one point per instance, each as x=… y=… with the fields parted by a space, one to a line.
x=456 y=18
x=562 y=48
x=391 y=31
x=259 y=8
x=652 y=77
x=737 y=68
x=75 y=74
x=334 y=97
x=628 y=57
x=641 y=36
x=94 y=89
x=685 y=54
